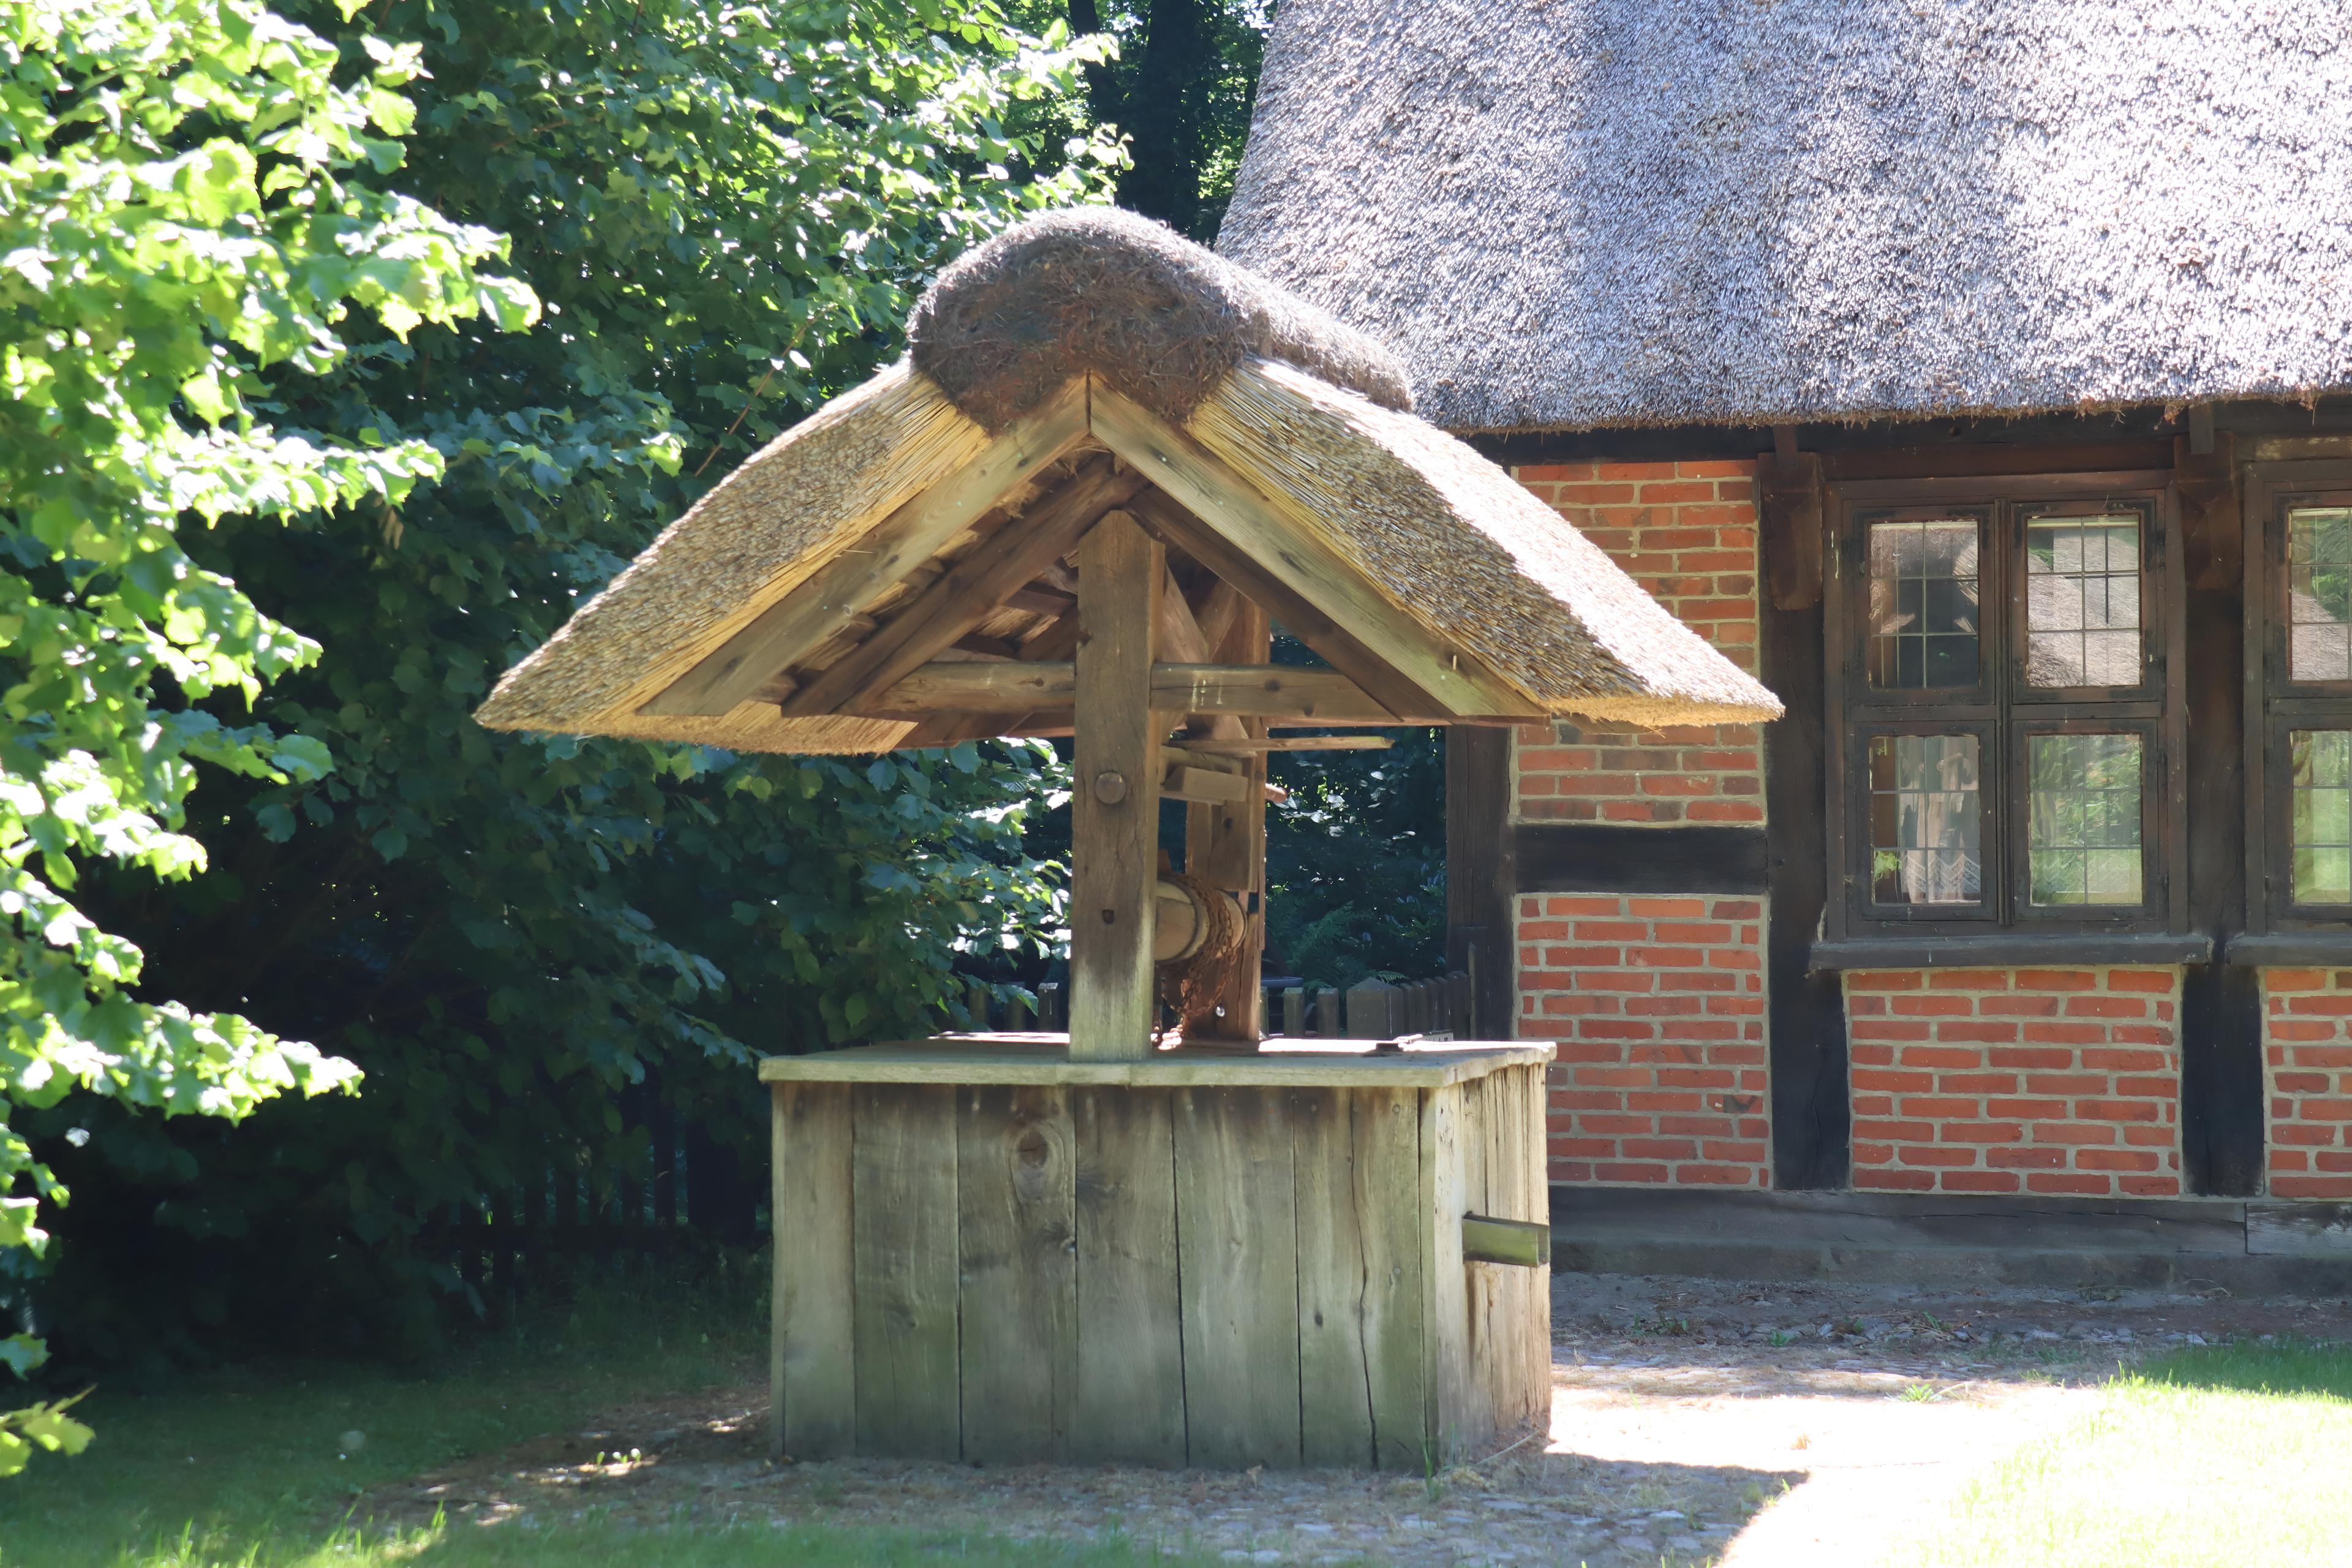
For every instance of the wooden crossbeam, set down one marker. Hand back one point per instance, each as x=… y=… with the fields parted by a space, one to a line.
x=973 y=588
x=1272 y=691
x=736 y=670
x=1302 y=620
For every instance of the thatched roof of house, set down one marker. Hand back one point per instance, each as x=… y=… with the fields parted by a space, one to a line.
x=1568 y=214
x=1080 y=363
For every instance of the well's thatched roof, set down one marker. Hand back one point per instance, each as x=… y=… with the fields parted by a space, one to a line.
x=1568 y=214
x=904 y=526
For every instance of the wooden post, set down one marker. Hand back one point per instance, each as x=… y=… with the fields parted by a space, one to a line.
x=1225 y=844
x=1115 y=807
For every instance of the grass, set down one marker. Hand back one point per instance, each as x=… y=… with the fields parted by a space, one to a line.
x=247 y=1467
x=2210 y=1459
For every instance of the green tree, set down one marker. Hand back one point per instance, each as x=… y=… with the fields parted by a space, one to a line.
x=191 y=206
x=531 y=943
x=1180 y=90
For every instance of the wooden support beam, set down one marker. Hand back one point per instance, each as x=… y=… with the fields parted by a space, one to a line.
x=1225 y=845
x=1236 y=526
x=1115 y=807
x=1525 y=1242
x=1286 y=744
x=1208 y=787
x=974 y=587
x=1215 y=611
x=735 y=672
x=1279 y=693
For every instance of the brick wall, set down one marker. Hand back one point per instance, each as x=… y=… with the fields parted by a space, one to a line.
x=2307 y=1081
x=2034 y=1080
x=1686 y=531
x=1658 y=1006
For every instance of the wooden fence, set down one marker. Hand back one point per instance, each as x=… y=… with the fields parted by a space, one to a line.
x=582 y=1216
x=1370 y=1010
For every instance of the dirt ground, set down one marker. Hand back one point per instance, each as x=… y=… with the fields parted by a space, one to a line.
x=1693 y=1421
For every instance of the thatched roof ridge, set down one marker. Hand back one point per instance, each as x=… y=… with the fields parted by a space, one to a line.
x=869 y=529
x=1102 y=290
x=1571 y=214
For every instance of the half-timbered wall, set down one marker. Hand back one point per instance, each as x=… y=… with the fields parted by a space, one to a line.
x=1656 y=999
x=1702 y=1043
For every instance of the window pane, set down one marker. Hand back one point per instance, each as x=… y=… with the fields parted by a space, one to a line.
x=1923 y=605
x=1925 y=828
x=2082 y=796
x=2320 y=814
x=2082 y=600
x=2319 y=593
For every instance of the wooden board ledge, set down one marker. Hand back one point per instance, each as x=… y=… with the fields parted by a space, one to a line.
x=1044 y=1059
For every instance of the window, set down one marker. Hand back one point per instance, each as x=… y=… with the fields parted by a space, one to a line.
x=2005 y=706
x=2301 y=583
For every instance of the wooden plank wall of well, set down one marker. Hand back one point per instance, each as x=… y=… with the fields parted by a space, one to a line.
x=1491 y=1352
x=1217 y=1277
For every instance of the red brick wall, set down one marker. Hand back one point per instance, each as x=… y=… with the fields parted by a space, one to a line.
x=2034 y=1080
x=1658 y=1006
x=2307 y=1079
x=1686 y=531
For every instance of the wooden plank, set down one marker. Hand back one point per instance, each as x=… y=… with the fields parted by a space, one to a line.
x=1299 y=696
x=1523 y=1243
x=903 y=1224
x=1237 y=1240
x=1208 y=786
x=812 y=1368
x=805 y=617
x=970 y=591
x=1231 y=838
x=1386 y=1127
x=1486 y=1319
x=1358 y=1162
x=1788 y=493
x=1130 y=1399
x=2224 y=1105
x=2299 y=1229
x=1805 y=1026
x=1214 y=611
x=1335 y=1405
x=1315 y=1061
x=1913 y=1222
x=1517 y=1188
x=1235 y=511
x=1114 y=805
x=1016 y=1188
x=1611 y=857
x=1253 y=744
x=1482 y=874
x=1448 y=1369
x=1326 y=635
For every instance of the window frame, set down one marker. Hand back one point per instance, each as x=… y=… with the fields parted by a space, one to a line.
x=2001 y=708
x=2277 y=703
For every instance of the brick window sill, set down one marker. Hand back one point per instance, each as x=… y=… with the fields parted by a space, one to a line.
x=2005 y=950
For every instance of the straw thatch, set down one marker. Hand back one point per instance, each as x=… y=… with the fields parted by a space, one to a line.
x=1433 y=557
x=1568 y=214
x=1099 y=289
x=1475 y=559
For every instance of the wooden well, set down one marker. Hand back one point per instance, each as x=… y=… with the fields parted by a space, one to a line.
x=990 y=1253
